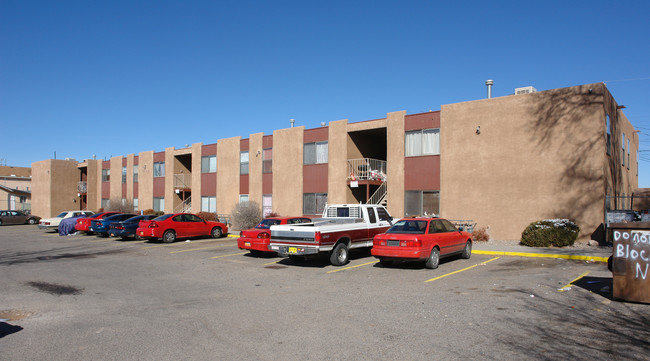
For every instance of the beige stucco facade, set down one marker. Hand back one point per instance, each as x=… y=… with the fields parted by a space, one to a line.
x=54 y=187
x=288 y=170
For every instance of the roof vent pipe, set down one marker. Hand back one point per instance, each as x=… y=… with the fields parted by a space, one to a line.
x=292 y=121
x=489 y=83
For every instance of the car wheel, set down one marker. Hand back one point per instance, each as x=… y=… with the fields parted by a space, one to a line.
x=339 y=255
x=31 y=221
x=434 y=259
x=169 y=236
x=385 y=263
x=467 y=251
x=216 y=232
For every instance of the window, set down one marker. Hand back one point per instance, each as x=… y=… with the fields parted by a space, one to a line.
x=267 y=205
x=243 y=198
x=371 y=215
x=417 y=203
x=135 y=173
x=267 y=160
x=315 y=153
x=159 y=169
x=313 y=203
x=628 y=153
x=609 y=135
x=209 y=204
x=106 y=175
x=123 y=174
x=623 y=146
x=422 y=142
x=159 y=204
x=135 y=204
x=105 y=203
x=243 y=162
x=209 y=164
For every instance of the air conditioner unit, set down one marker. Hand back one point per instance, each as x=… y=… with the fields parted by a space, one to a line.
x=525 y=90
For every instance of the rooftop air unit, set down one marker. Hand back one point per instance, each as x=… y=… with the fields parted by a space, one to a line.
x=525 y=90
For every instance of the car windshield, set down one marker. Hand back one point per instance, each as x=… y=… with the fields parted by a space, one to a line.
x=163 y=217
x=409 y=226
x=61 y=215
x=267 y=223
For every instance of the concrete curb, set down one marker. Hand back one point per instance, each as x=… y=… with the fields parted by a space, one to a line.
x=543 y=255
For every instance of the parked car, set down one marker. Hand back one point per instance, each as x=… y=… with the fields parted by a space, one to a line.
x=421 y=239
x=83 y=224
x=17 y=217
x=257 y=239
x=101 y=226
x=126 y=229
x=53 y=223
x=170 y=227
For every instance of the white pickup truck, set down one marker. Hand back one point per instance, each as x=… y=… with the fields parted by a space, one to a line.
x=343 y=227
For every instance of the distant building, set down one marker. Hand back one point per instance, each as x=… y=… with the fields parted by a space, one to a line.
x=15 y=193
x=502 y=162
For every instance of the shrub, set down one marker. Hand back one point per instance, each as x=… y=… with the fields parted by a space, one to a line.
x=480 y=235
x=208 y=216
x=119 y=205
x=246 y=215
x=550 y=232
x=149 y=211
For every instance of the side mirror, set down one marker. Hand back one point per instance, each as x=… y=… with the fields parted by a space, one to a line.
x=460 y=228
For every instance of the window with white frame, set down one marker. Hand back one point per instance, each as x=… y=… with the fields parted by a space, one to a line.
x=106 y=175
x=315 y=153
x=314 y=203
x=124 y=174
x=623 y=146
x=243 y=162
x=209 y=204
x=628 y=153
x=135 y=204
x=159 y=204
x=209 y=164
x=422 y=142
x=417 y=203
x=243 y=198
x=267 y=204
x=135 y=173
x=267 y=160
x=159 y=169
x=105 y=203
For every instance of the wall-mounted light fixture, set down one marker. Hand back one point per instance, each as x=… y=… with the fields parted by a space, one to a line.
x=478 y=129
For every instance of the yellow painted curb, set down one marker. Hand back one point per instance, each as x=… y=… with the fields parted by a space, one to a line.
x=234 y=236
x=542 y=255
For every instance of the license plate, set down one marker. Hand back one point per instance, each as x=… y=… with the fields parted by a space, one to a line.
x=292 y=250
x=393 y=243
x=247 y=244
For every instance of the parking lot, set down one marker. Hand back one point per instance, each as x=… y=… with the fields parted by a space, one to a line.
x=84 y=297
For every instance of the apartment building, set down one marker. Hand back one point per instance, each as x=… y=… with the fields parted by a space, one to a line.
x=501 y=162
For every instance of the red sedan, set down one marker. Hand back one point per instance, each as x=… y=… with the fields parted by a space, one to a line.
x=170 y=227
x=257 y=239
x=83 y=224
x=421 y=239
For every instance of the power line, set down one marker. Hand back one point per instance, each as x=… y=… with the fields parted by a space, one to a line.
x=621 y=80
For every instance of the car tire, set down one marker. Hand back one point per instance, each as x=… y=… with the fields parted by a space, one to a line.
x=216 y=232
x=467 y=251
x=434 y=259
x=340 y=254
x=385 y=262
x=31 y=221
x=0 y=222
x=169 y=236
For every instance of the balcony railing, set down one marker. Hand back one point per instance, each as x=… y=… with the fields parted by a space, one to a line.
x=182 y=181
x=366 y=169
x=82 y=187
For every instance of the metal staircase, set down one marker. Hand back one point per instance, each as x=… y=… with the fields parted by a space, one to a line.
x=380 y=195
x=185 y=206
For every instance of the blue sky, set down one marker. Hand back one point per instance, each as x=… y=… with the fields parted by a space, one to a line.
x=108 y=78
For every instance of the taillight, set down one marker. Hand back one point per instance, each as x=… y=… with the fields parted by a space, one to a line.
x=263 y=235
x=317 y=237
x=411 y=243
x=153 y=224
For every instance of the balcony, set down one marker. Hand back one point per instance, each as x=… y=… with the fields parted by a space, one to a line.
x=82 y=187
x=183 y=181
x=367 y=169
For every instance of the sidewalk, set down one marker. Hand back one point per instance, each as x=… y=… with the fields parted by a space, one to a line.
x=579 y=252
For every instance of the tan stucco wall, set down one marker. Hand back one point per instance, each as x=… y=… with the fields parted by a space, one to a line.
x=255 y=147
x=93 y=184
x=288 y=170
x=54 y=187
x=196 y=177
x=337 y=168
x=537 y=156
x=130 y=160
x=145 y=180
x=395 y=163
x=116 y=180
x=228 y=174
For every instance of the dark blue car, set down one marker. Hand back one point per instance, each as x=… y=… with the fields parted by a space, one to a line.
x=126 y=229
x=101 y=226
